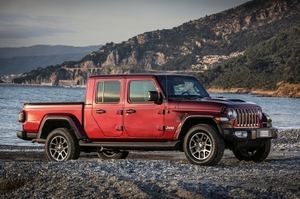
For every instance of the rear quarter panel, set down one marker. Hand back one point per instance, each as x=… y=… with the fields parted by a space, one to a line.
x=36 y=112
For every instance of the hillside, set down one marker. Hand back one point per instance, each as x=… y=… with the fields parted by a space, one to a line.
x=205 y=46
x=261 y=66
x=24 y=59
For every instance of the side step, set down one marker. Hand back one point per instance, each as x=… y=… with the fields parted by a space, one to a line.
x=132 y=145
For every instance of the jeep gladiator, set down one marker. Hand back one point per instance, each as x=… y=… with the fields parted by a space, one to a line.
x=149 y=112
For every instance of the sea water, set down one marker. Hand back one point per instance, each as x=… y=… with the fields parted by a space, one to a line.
x=285 y=112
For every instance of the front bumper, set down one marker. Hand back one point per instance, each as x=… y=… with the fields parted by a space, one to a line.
x=250 y=134
x=26 y=136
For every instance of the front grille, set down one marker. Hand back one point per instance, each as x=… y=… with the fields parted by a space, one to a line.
x=248 y=117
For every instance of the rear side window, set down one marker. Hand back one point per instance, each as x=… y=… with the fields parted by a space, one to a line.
x=138 y=90
x=108 y=92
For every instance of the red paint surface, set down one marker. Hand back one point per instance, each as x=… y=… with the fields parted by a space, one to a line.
x=149 y=122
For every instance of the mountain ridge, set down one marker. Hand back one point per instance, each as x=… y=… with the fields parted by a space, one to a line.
x=15 y=60
x=198 y=45
x=42 y=50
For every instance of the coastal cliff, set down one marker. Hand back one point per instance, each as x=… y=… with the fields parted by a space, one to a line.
x=220 y=49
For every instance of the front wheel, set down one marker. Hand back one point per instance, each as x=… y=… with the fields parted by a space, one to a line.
x=256 y=155
x=203 y=145
x=61 y=145
x=113 y=154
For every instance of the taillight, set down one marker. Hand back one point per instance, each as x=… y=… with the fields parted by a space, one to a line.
x=22 y=116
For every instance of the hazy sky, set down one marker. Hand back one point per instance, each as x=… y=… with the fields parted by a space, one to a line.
x=93 y=22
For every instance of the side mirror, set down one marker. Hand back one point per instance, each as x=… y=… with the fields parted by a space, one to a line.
x=153 y=96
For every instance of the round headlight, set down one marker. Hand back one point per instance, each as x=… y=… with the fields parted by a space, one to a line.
x=231 y=113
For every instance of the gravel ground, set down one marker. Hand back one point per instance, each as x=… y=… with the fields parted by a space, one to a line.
x=288 y=140
x=24 y=173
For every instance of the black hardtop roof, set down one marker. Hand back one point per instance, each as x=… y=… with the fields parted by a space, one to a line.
x=139 y=75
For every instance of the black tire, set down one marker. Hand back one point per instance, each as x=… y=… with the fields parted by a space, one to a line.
x=203 y=145
x=61 y=145
x=112 y=154
x=256 y=155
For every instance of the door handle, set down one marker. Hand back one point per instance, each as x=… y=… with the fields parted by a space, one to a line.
x=130 y=111
x=100 y=111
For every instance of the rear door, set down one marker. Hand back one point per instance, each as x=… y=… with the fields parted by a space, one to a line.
x=142 y=119
x=107 y=107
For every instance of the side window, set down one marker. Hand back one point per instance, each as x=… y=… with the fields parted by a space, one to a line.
x=108 y=92
x=138 y=90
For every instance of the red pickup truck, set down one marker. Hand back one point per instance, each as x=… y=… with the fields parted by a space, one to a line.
x=149 y=112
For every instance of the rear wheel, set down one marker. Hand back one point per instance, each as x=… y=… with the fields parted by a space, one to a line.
x=203 y=146
x=113 y=154
x=256 y=155
x=61 y=145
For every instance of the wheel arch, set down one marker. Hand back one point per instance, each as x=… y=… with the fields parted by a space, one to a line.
x=51 y=122
x=193 y=120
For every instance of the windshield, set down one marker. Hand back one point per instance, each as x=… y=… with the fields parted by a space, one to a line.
x=177 y=87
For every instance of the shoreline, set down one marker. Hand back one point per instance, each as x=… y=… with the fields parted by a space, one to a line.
x=261 y=93
x=283 y=92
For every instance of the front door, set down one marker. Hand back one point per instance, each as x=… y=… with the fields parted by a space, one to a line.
x=142 y=119
x=107 y=108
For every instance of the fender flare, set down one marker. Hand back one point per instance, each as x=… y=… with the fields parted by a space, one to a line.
x=179 y=128
x=72 y=121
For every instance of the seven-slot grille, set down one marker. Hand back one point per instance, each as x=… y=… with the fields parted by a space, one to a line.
x=248 y=117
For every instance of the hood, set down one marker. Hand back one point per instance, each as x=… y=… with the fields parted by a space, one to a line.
x=229 y=102
x=213 y=104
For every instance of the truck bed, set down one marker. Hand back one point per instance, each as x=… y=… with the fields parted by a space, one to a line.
x=35 y=112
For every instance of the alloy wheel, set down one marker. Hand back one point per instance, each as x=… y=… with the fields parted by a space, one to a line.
x=200 y=146
x=59 y=148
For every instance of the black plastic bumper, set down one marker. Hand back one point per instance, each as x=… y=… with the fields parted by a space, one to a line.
x=252 y=134
x=26 y=136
